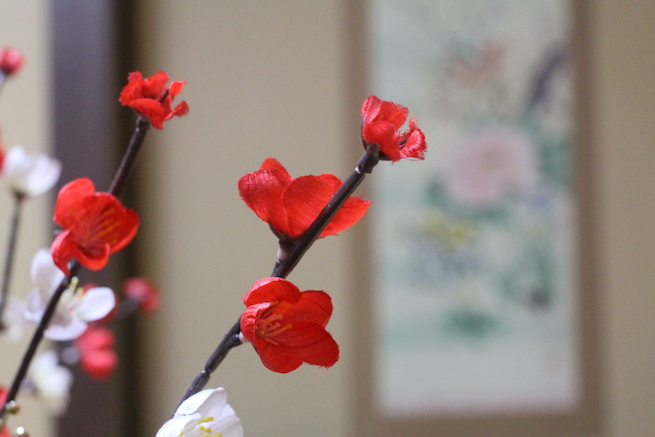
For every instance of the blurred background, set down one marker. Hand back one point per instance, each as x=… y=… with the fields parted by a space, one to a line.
x=285 y=79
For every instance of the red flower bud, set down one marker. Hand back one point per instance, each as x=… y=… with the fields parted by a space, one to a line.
x=381 y=123
x=151 y=99
x=11 y=60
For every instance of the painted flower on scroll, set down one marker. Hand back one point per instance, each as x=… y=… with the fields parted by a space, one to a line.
x=381 y=123
x=75 y=309
x=287 y=326
x=151 y=99
x=97 y=356
x=290 y=205
x=490 y=165
x=29 y=174
x=206 y=413
x=11 y=60
x=95 y=225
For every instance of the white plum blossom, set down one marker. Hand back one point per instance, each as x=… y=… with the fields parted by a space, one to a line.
x=14 y=319
x=206 y=413
x=30 y=174
x=489 y=165
x=51 y=381
x=75 y=308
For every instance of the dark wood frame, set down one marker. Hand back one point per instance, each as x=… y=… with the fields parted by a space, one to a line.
x=90 y=54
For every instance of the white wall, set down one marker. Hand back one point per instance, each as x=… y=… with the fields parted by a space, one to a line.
x=623 y=95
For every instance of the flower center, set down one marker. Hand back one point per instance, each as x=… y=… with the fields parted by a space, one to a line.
x=203 y=428
x=271 y=324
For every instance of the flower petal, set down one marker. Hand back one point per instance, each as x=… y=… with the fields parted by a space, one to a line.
x=262 y=191
x=350 y=213
x=69 y=200
x=272 y=289
x=277 y=358
x=313 y=344
x=70 y=331
x=314 y=306
x=173 y=427
x=305 y=198
x=45 y=274
x=96 y=304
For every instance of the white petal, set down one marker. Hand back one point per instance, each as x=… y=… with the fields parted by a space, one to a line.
x=70 y=331
x=96 y=304
x=193 y=403
x=14 y=318
x=30 y=174
x=174 y=426
x=43 y=176
x=46 y=276
x=35 y=306
x=52 y=381
x=228 y=423
x=214 y=404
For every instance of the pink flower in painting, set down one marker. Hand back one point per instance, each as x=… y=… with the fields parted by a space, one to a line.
x=490 y=165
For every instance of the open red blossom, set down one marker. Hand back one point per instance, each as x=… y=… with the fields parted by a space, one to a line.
x=97 y=356
x=151 y=99
x=95 y=225
x=290 y=205
x=287 y=326
x=11 y=60
x=382 y=121
x=144 y=292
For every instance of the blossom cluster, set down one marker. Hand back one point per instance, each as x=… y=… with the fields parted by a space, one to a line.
x=285 y=326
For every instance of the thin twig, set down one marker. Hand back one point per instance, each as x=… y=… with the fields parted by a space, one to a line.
x=10 y=254
x=116 y=189
x=284 y=267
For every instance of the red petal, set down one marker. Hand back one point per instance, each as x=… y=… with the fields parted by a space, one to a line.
x=11 y=60
x=154 y=86
x=181 y=109
x=370 y=108
x=95 y=260
x=262 y=191
x=128 y=227
x=249 y=320
x=277 y=358
x=374 y=109
x=385 y=135
x=311 y=342
x=132 y=90
x=62 y=251
x=175 y=87
x=272 y=289
x=415 y=146
x=350 y=213
x=393 y=113
x=324 y=351
x=144 y=292
x=314 y=306
x=305 y=198
x=70 y=199
x=99 y=364
x=150 y=109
